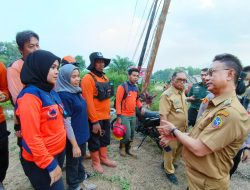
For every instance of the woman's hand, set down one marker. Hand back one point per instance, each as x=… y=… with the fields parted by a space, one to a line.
x=76 y=151
x=55 y=175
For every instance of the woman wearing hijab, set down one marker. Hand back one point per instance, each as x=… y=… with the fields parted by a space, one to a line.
x=76 y=125
x=40 y=111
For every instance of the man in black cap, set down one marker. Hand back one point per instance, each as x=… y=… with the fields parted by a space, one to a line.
x=96 y=90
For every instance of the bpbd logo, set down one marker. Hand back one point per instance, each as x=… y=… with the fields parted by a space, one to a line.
x=52 y=114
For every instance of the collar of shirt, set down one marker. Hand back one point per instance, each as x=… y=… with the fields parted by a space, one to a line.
x=176 y=91
x=223 y=97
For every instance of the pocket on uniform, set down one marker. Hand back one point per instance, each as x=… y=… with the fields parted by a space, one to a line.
x=216 y=184
x=178 y=107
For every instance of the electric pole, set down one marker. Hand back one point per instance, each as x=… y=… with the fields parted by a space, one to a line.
x=147 y=36
x=156 y=43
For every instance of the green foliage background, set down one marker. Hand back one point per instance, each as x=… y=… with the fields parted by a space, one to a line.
x=116 y=71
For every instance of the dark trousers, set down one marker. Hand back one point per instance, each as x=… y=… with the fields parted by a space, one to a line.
x=75 y=173
x=192 y=115
x=4 y=151
x=96 y=140
x=236 y=160
x=40 y=178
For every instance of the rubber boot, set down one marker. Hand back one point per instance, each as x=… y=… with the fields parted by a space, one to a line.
x=96 y=164
x=128 y=150
x=104 y=157
x=122 y=149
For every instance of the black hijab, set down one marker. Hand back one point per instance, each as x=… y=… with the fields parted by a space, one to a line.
x=36 y=68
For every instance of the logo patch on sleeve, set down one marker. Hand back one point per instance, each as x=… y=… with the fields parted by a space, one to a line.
x=52 y=114
x=217 y=122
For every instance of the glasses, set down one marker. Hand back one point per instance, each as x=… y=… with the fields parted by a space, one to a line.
x=211 y=71
x=181 y=80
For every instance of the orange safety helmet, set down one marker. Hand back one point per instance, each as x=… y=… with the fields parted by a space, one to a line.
x=119 y=131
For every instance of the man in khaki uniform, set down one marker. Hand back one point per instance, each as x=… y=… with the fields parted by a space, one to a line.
x=173 y=108
x=219 y=132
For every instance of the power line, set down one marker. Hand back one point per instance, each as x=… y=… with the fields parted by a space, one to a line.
x=129 y=33
x=147 y=35
x=153 y=35
x=143 y=30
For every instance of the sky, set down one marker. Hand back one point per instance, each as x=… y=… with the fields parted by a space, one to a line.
x=195 y=30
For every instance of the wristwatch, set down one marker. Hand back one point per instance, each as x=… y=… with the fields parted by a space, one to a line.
x=246 y=148
x=172 y=131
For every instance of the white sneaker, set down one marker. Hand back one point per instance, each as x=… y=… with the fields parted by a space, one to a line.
x=89 y=186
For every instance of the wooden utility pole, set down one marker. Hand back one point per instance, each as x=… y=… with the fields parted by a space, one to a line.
x=156 y=43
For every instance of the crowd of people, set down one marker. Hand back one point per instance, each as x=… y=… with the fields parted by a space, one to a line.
x=58 y=114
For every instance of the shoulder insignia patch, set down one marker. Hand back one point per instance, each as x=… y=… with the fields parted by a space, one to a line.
x=169 y=93
x=227 y=102
x=223 y=112
x=217 y=122
x=205 y=100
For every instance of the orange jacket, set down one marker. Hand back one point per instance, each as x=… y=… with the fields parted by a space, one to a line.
x=14 y=82
x=3 y=88
x=97 y=110
x=127 y=106
x=42 y=128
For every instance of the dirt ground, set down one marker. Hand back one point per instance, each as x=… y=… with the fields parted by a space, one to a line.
x=145 y=173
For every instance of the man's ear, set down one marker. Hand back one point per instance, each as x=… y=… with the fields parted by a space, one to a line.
x=20 y=50
x=231 y=74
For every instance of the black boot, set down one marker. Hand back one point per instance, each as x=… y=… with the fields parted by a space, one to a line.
x=128 y=148
x=122 y=150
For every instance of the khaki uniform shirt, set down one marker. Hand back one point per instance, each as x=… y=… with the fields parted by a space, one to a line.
x=223 y=128
x=173 y=106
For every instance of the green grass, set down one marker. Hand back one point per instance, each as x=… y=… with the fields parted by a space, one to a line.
x=123 y=182
x=6 y=104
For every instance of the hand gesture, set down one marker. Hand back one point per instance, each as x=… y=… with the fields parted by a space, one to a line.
x=119 y=120
x=191 y=99
x=97 y=128
x=143 y=110
x=18 y=134
x=165 y=128
x=246 y=156
x=76 y=151
x=55 y=175
x=2 y=97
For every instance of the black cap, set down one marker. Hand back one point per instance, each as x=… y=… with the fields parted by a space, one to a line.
x=94 y=56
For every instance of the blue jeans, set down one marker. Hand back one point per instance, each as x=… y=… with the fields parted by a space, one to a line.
x=75 y=173
x=40 y=178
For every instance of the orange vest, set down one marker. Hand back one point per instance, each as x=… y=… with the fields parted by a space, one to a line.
x=97 y=110
x=3 y=88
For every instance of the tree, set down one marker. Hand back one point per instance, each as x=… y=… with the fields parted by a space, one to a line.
x=9 y=52
x=81 y=62
x=165 y=75
x=193 y=71
x=120 y=65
